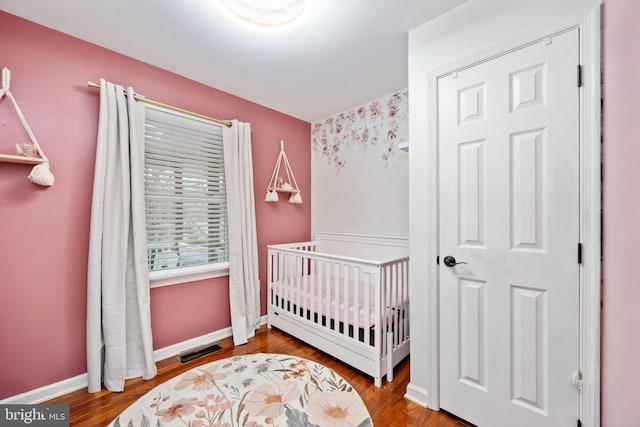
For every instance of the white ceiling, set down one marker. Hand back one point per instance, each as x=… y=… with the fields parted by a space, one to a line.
x=345 y=53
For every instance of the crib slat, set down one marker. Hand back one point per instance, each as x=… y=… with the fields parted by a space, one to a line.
x=295 y=277
x=285 y=281
x=405 y=298
x=396 y=305
x=367 y=307
x=344 y=300
x=312 y=288
x=355 y=307
x=321 y=290
x=269 y=283
x=328 y=289
x=304 y=303
x=378 y=304
x=336 y=298
x=390 y=306
x=398 y=315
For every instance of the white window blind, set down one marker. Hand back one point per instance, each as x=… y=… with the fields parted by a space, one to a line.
x=186 y=210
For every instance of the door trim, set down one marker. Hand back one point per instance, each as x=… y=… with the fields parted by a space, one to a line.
x=590 y=210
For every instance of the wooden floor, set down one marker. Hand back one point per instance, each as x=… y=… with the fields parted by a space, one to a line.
x=387 y=404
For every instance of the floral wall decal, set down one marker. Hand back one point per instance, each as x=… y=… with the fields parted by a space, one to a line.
x=380 y=125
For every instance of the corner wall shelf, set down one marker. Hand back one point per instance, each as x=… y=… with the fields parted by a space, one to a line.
x=10 y=158
x=278 y=185
x=283 y=190
x=40 y=174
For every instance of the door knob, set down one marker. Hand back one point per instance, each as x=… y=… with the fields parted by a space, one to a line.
x=450 y=261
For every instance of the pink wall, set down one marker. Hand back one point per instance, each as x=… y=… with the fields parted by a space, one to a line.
x=621 y=228
x=44 y=231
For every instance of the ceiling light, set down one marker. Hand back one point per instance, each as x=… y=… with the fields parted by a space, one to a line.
x=267 y=14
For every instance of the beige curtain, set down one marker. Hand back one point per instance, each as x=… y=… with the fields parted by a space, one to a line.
x=119 y=342
x=244 y=285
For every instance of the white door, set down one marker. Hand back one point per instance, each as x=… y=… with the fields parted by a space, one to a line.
x=508 y=198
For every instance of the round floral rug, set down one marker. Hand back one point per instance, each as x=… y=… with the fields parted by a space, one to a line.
x=256 y=390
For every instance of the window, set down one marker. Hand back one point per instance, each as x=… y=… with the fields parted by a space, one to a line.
x=186 y=207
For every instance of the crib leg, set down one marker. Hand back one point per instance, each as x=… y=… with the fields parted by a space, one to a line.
x=377 y=381
x=389 y=356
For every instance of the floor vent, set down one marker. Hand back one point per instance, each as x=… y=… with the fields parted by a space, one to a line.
x=196 y=352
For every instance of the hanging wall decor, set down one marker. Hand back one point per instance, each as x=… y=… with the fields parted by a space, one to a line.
x=277 y=184
x=27 y=153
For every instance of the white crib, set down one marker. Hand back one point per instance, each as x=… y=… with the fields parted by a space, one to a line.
x=346 y=295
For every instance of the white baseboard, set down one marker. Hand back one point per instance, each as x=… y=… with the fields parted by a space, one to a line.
x=417 y=395
x=51 y=391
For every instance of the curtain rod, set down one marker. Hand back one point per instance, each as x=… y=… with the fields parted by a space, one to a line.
x=170 y=107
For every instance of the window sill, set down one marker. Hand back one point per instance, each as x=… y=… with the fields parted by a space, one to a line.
x=176 y=276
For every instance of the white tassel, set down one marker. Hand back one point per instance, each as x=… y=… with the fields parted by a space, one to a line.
x=295 y=198
x=271 y=196
x=41 y=175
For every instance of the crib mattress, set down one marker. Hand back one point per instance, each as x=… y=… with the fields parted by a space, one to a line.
x=300 y=292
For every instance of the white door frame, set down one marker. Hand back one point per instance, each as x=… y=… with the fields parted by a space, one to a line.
x=590 y=191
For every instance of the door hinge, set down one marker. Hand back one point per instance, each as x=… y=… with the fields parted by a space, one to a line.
x=579 y=75
x=577 y=380
x=579 y=253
